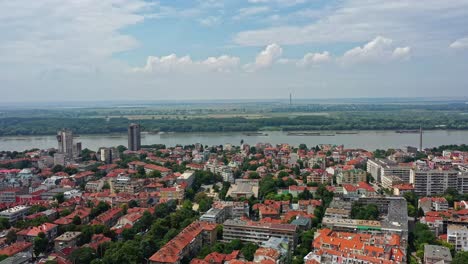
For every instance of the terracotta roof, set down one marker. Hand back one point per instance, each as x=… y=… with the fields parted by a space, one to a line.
x=170 y=252
x=15 y=248
x=34 y=231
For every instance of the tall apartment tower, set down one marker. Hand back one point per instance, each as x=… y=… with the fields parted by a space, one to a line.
x=65 y=142
x=134 y=138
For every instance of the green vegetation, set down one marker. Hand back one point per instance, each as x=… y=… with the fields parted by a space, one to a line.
x=303 y=117
x=364 y=212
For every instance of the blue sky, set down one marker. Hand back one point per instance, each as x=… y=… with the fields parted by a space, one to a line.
x=53 y=50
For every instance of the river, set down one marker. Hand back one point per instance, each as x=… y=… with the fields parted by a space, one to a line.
x=369 y=140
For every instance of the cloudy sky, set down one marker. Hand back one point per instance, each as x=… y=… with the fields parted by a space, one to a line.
x=52 y=50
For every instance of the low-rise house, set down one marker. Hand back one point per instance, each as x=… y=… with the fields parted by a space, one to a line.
x=66 y=240
x=16 y=248
x=186 y=244
x=436 y=254
x=28 y=234
x=108 y=218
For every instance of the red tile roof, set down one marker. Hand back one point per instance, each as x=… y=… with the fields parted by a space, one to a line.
x=15 y=248
x=170 y=253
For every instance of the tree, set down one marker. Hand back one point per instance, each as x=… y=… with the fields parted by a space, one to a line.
x=4 y=223
x=364 y=212
x=40 y=244
x=2 y=257
x=83 y=255
x=132 y=204
x=60 y=198
x=76 y=220
x=460 y=258
x=106 y=186
x=11 y=237
x=57 y=168
x=254 y=175
x=248 y=250
x=302 y=146
x=141 y=170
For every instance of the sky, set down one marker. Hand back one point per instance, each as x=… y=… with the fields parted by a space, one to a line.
x=80 y=50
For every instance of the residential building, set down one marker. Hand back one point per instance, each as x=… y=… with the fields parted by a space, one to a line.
x=65 y=143
x=94 y=186
x=186 y=244
x=16 y=248
x=436 y=254
x=433 y=204
x=457 y=235
x=15 y=213
x=233 y=210
x=66 y=240
x=333 y=246
x=134 y=137
x=172 y=193
x=401 y=189
x=256 y=232
x=352 y=176
x=28 y=234
x=186 y=177
x=462 y=182
x=429 y=182
x=388 y=181
x=127 y=185
x=214 y=215
x=108 y=155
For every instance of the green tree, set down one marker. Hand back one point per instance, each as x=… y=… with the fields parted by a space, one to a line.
x=460 y=258
x=76 y=220
x=11 y=237
x=40 y=244
x=57 y=168
x=60 y=198
x=4 y=223
x=83 y=255
x=248 y=250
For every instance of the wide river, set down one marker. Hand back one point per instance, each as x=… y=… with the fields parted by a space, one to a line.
x=369 y=140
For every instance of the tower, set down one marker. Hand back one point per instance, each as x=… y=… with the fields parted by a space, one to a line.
x=290 y=99
x=420 y=138
x=134 y=137
x=65 y=142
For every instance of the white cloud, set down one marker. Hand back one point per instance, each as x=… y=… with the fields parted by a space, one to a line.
x=401 y=52
x=251 y=11
x=279 y=2
x=173 y=63
x=70 y=35
x=314 y=58
x=210 y=21
x=265 y=58
x=356 y=20
x=380 y=49
x=460 y=43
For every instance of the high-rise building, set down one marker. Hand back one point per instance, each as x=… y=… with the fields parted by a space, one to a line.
x=429 y=182
x=108 y=155
x=65 y=142
x=134 y=137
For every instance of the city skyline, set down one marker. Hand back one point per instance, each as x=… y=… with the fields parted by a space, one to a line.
x=195 y=50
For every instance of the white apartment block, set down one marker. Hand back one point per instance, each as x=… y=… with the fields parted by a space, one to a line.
x=457 y=235
x=432 y=182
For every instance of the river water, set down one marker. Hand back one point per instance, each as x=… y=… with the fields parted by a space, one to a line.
x=369 y=140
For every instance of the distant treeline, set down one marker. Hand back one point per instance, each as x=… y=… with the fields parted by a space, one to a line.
x=336 y=121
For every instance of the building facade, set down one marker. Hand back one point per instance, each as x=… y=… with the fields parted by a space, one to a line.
x=134 y=137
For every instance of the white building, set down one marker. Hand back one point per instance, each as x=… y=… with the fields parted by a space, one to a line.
x=429 y=182
x=457 y=235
